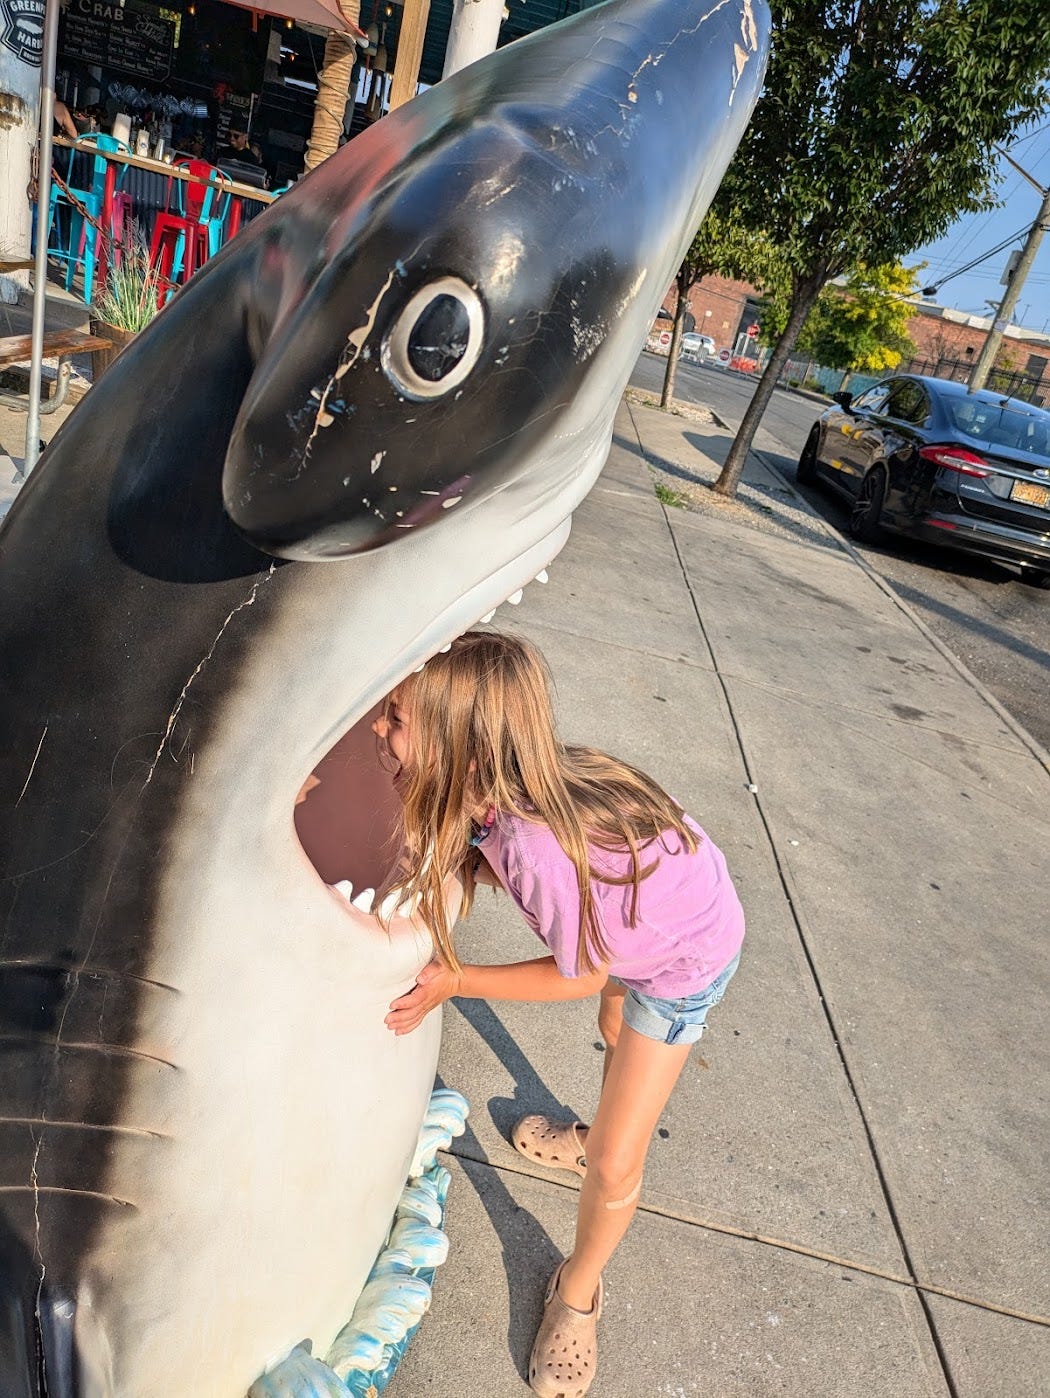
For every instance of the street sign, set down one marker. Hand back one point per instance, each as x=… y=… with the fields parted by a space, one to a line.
x=724 y=356
x=752 y=330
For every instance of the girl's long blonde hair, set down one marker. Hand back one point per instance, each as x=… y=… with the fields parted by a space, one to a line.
x=483 y=736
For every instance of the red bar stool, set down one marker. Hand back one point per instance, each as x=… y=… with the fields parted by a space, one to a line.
x=184 y=240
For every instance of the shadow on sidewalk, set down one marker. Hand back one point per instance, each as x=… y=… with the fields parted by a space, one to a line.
x=529 y=1254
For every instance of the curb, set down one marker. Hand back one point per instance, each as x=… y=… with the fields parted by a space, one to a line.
x=1041 y=755
x=806 y=393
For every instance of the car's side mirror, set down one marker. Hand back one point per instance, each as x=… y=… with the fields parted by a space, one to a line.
x=842 y=398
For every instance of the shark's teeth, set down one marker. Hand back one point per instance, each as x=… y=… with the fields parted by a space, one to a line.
x=393 y=906
x=514 y=599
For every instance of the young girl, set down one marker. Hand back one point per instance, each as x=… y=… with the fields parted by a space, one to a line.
x=629 y=896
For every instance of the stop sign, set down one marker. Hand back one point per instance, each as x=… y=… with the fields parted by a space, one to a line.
x=752 y=330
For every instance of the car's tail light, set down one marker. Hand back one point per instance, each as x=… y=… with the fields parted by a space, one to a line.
x=966 y=463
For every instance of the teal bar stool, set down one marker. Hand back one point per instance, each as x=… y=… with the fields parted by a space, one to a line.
x=83 y=245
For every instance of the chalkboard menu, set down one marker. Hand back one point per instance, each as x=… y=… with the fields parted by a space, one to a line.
x=135 y=37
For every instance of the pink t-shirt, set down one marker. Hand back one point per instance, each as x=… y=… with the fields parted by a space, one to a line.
x=689 y=927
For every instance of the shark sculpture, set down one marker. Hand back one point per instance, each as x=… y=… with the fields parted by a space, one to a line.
x=408 y=368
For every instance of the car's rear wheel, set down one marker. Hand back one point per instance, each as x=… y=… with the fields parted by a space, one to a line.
x=1036 y=577
x=864 y=522
x=806 y=470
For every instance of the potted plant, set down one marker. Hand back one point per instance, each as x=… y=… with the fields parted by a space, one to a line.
x=129 y=300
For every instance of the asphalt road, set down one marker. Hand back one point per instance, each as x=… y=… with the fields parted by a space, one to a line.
x=997 y=625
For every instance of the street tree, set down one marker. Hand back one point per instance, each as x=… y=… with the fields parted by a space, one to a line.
x=874 y=133
x=862 y=326
x=724 y=246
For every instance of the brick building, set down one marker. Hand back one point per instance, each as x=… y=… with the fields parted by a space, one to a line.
x=945 y=340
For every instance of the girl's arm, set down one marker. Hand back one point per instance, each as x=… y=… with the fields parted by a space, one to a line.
x=521 y=980
x=483 y=874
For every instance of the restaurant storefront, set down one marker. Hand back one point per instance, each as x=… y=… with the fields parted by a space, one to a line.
x=188 y=72
x=178 y=79
x=204 y=80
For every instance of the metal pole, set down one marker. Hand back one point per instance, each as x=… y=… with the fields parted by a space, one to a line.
x=982 y=368
x=43 y=204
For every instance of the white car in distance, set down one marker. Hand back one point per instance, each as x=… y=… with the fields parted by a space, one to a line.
x=697 y=347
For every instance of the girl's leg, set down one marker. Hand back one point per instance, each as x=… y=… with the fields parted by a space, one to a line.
x=640 y=1077
x=610 y=1021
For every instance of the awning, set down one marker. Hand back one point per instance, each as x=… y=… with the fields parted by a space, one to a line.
x=323 y=14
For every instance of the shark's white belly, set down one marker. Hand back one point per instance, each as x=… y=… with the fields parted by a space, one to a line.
x=287 y=1123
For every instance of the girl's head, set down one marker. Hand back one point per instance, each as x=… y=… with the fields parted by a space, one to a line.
x=474 y=729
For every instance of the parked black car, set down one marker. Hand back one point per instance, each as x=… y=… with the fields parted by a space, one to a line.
x=929 y=458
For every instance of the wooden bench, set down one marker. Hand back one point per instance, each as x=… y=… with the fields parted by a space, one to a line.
x=61 y=345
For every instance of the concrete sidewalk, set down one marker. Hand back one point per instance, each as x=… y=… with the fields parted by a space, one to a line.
x=850 y=1191
x=848 y=1194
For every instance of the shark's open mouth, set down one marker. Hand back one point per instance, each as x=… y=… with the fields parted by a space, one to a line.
x=346 y=815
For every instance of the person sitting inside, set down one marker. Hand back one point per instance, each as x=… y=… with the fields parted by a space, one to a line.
x=64 y=120
x=237 y=149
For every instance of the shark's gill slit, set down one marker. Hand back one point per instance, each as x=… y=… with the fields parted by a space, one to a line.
x=346 y=814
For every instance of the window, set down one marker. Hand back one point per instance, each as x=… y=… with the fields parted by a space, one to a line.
x=872 y=400
x=986 y=422
x=908 y=402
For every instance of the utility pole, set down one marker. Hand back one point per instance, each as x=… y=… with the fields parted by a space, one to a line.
x=986 y=358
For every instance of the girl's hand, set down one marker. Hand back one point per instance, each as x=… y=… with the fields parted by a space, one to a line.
x=434 y=985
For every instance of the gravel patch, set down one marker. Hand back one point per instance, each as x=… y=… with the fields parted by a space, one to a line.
x=769 y=505
x=693 y=411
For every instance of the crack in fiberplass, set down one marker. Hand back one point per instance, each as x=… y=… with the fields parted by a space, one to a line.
x=173 y=719
x=356 y=341
x=32 y=767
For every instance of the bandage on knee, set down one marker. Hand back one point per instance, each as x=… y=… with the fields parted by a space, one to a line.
x=623 y=1203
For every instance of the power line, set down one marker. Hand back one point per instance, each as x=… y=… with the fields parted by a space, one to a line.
x=1021 y=139
x=983 y=258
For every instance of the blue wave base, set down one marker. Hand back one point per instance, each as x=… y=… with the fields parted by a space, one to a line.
x=397 y=1294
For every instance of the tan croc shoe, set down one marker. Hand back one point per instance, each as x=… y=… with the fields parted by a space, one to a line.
x=565 y=1355
x=555 y=1144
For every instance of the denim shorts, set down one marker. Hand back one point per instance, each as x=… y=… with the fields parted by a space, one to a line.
x=675 y=1021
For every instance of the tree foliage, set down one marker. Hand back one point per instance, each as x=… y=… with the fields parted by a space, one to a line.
x=724 y=246
x=874 y=133
x=860 y=325
x=864 y=326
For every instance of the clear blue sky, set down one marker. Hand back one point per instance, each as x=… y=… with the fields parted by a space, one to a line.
x=977 y=233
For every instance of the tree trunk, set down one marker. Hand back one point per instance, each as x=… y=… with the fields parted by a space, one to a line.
x=333 y=89
x=804 y=301
x=681 y=306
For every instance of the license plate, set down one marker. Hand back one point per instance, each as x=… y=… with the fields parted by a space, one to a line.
x=1031 y=494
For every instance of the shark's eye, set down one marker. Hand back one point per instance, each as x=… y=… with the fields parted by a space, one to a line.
x=436 y=340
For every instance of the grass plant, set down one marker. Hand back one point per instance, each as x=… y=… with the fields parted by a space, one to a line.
x=667 y=495
x=129 y=301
